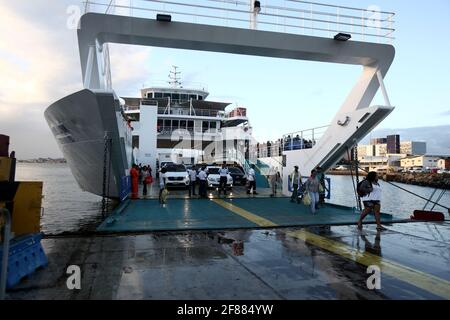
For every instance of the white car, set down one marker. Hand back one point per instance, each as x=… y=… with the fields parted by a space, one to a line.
x=214 y=177
x=177 y=175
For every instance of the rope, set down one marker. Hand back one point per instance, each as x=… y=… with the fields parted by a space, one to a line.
x=358 y=204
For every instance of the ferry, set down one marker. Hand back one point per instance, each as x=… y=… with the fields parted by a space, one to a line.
x=102 y=135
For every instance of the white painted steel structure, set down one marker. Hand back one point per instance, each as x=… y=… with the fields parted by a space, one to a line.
x=353 y=121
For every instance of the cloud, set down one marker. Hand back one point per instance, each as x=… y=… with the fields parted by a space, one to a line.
x=445 y=113
x=130 y=68
x=39 y=64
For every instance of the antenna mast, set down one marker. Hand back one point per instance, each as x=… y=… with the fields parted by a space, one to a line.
x=174 y=77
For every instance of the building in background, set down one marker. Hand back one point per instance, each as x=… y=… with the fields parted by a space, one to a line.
x=393 y=144
x=386 y=163
x=444 y=163
x=378 y=141
x=413 y=147
x=423 y=162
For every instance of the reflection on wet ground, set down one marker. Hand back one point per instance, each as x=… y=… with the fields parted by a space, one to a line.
x=288 y=263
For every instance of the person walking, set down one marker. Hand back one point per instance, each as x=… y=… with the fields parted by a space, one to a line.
x=370 y=192
x=322 y=187
x=223 y=176
x=162 y=187
x=134 y=173
x=312 y=187
x=145 y=179
x=251 y=180
x=202 y=176
x=275 y=180
x=296 y=183
x=193 y=180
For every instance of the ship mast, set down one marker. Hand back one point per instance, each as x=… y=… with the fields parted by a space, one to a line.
x=175 y=81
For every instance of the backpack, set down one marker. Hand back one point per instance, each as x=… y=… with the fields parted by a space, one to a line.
x=364 y=188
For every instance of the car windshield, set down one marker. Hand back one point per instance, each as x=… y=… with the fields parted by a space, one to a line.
x=235 y=170
x=213 y=170
x=176 y=168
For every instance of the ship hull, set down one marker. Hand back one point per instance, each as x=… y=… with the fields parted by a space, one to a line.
x=79 y=123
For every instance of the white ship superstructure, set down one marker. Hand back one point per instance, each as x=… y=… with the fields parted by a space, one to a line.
x=189 y=128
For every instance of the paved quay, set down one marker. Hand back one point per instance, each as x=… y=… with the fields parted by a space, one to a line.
x=285 y=263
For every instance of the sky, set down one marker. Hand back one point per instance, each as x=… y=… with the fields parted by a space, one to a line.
x=39 y=64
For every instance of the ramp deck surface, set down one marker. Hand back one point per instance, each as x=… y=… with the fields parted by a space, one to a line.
x=221 y=213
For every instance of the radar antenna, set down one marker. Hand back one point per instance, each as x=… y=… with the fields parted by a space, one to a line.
x=174 y=77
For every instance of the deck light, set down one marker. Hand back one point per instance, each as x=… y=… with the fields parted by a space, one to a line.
x=163 y=17
x=342 y=36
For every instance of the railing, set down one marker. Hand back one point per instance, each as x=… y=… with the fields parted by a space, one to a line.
x=6 y=238
x=287 y=16
x=305 y=139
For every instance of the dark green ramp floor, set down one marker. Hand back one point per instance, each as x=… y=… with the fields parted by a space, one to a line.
x=179 y=214
x=284 y=213
x=186 y=214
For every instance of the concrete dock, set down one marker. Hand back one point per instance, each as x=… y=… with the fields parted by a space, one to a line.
x=243 y=247
x=260 y=261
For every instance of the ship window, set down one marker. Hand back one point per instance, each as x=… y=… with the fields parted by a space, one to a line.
x=182 y=124
x=166 y=95
x=184 y=97
x=205 y=126
x=200 y=97
x=190 y=124
x=175 y=96
x=149 y=95
x=158 y=95
x=160 y=125
x=193 y=97
x=167 y=123
x=175 y=124
x=212 y=125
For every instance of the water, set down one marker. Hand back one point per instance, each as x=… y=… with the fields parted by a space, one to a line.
x=68 y=209
x=394 y=201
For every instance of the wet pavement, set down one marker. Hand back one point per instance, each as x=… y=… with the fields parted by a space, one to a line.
x=285 y=263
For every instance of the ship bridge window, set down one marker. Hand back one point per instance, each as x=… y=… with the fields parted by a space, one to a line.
x=190 y=125
x=166 y=95
x=200 y=98
x=175 y=96
x=167 y=124
x=205 y=126
x=175 y=124
x=158 y=95
x=160 y=125
x=183 y=124
x=184 y=97
x=149 y=95
x=212 y=125
x=193 y=97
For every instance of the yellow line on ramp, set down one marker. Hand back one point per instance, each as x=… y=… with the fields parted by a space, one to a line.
x=435 y=285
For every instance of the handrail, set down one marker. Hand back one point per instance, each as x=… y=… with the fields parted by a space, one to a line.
x=304 y=17
x=6 y=238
